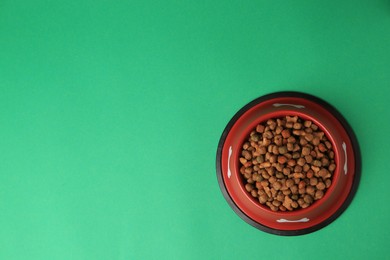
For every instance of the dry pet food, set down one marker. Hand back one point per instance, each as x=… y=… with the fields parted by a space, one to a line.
x=287 y=163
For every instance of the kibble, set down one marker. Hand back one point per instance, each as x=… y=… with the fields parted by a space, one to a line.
x=287 y=163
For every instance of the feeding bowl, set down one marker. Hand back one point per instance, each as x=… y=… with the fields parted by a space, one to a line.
x=345 y=178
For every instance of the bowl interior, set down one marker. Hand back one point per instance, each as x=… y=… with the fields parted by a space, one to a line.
x=277 y=114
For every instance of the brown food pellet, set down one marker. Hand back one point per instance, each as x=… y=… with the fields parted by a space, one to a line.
x=315 y=169
x=282 y=159
x=279 y=175
x=309 y=137
x=278 y=140
x=268 y=135
x=265 y=164
x=297 y=126
x=280 y=196
x=318 y=195
x=294 y=189
x=291 y=139
x=263 y=198
x=243 y=160
x=301 y=161
x=286 y=133
x=317 y=163
x=309 y=158
x=316 y=141
x=310 y=190
x=276 y=203
x=249 y=187
x=267 y=192
x=272 y=159
x=308 y=199
x=320 y=186
x=282 y=149
x=289 y=124
x=305 y=205
x=306 y=168
x=298 y=169
x=266 y=142
x=278 y=129
x=282 y=208
x=278 y=166
x=307 y=123
x=247 y=155
x=301 y=185
x=273 y=193
x=287 y=202
x=296 y=155
x=313 y=181
x=308 y=130
x=287 y=163
x=306 y=151
x=264 y=183
x=260 y=128
x=248 y=170
x=320 y=135
x=291 y=163
x=277 y=185
x=322 y=147
x=262 y=150
x=271 y=170
x=323 y=173
x=325 y=161
x=254 y=193
x=286 y=171
x=302 y=141
x=309 y=173
x=289 y=183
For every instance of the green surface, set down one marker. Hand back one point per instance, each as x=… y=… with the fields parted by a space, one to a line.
x=111 y=112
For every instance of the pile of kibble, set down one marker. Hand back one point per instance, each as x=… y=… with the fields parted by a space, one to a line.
x=287 y=163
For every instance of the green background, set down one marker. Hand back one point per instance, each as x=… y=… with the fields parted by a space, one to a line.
x=111 y=112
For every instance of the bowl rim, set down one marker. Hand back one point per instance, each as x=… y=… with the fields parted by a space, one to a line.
x=344 y=124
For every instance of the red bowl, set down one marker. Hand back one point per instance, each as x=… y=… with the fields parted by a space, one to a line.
x=345 y=178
